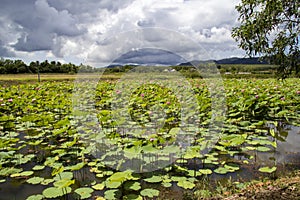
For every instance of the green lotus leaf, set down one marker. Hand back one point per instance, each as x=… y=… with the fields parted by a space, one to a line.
x=267 y=169
x=47 y=181
x=112 y=194
x=35 y=180
x=178 y=178
x=24 y=173
x=132 y=186
x=78 y=166
x=231 y=168
x=9 y=170
x=149 y=193
x=63 y=175
x=53 y=192
x=35 y=197
x=38 y=167
x=84 y=192
x=99 y=186
x=63 y=183
x=153 y=179
x=166 y=184
x=113 y=184
x=205 y=171
x=263 y=149
x=185 y=184
x=171 y=149
x=221 y=170
x=149 y=149
x=57 y=170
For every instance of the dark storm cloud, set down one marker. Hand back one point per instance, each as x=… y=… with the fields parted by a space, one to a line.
x=39 y=23
x=150 y=56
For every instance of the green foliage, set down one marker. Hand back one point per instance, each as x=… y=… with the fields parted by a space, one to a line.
x=267 y=169
x=149 y=193
x=42 y=115
x=270 y=28
x=84 y=193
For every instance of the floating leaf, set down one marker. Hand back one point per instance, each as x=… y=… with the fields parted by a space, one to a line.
x=100 y=198
x=35 y=197
x=132 y=186
x=22 y=174
x=47 y=181
x=64 y=175
x=99 y=186
x=149 y=193
x=267 y=169
x=35 y=180
x=57 y=170
x=263 y=149
x=153 y=179
x=63 y=183
x=78 y=166
x=133 y=197
x=38 y=167
x=166 y=184
x=231 y=168
x=205 y=171
x=221 y=170
x=84 y=192
x=186 y=184
x=53 y=192
x=112 y=194
x=9 y=170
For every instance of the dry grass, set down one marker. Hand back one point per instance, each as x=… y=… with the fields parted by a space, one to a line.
x=49 y=77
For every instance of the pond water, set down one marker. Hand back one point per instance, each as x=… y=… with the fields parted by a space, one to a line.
x=286 y=156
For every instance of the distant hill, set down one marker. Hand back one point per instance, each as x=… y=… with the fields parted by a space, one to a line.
x=247 y=61
x=235 y=60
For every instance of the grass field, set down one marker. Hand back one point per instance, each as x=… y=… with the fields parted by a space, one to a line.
x=50 y=77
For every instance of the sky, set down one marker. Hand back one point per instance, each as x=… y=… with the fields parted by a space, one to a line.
x=102 y=31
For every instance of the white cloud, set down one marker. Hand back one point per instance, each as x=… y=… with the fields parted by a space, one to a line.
x=74 y=29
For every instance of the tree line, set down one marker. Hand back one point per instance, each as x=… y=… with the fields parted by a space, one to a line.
x=8 y=66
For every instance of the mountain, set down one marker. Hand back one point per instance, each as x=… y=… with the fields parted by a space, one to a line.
x=247 y=61
x=232 y=61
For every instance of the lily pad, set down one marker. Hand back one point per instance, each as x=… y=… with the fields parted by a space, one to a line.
x=133 y=197
x=185 y=184
x=84 y=192
x=166 y=184
x=99 y=186
x=267 y=169
x=205 y=171
x=63 y=183
x=153 y=179
x=221 y=170
x=35 y=197
x=35 y=180
x=53 y=192
x=22 y=174
x=132 y=186
x=149 y=193
x=112 y=194
x=38 y=167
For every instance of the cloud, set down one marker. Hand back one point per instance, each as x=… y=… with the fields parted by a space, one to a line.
x=78 y=29
x=40 y=24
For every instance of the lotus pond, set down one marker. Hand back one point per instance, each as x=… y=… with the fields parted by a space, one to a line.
x=51 y=150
